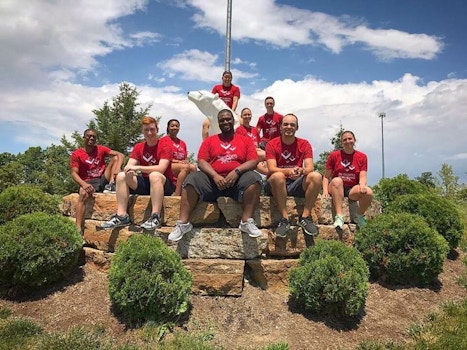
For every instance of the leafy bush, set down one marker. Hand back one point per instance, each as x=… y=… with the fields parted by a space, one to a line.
x=148 y=282
x=330 y=278
x=439 y=213
x=389 y=189
x=37 y=249
x=25 y=199
x=402 y=248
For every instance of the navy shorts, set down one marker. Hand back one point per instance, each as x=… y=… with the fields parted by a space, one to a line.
x=144 y=187
x=294 y=187
x=209 y=192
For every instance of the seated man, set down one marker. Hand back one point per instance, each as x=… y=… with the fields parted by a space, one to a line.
x=291 y=173
x=88 y=170
x=148 y=172
x=226 y=161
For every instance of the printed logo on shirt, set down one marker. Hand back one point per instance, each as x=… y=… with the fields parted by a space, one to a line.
x=347 y=165
x=92 y=161
x=228 y=147
x=148 y=158
x=287 y=156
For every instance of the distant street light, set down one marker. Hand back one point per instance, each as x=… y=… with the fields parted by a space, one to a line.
x=227 y=35
x=382 y=115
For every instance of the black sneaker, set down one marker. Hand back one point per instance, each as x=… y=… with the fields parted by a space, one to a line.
x=308 y=226
x=152 y=223
x=282 y=228
x=110 y=188
x=117 y=221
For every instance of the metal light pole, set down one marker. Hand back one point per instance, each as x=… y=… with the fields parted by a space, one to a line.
x=227 y=35
x=382 y=115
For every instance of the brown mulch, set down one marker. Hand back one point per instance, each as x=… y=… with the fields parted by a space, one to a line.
x=252 y=321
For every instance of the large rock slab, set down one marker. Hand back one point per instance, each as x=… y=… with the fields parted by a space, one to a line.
x=271 y=274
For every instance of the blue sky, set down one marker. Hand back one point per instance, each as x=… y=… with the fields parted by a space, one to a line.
x=328 y=62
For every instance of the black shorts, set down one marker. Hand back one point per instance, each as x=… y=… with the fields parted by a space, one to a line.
x=144 y=187
x=209 y=192
x=294 y=187
x=98 y=183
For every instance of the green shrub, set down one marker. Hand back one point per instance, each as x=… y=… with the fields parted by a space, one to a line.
x=439 y=213
x=25 y=199
x=148 y=282
x=389 y=189
x=330 y=278
x=402 y=248
x=37 y=249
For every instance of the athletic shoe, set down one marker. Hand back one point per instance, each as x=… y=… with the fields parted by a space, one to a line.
x=179 y=231
x=308 y=226
x=361 y=221
x=283 y=228
x=117 y=221
x=110 y=188
x=339 y=221
x=250 y=227
x=152 y=223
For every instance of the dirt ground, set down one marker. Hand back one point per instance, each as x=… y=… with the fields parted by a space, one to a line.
x=256 y=319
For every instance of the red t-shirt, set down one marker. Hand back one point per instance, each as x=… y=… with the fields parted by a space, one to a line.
x=151 y=155
x=226 y=154
x=270 y=126
x=289 y=156
x=178 y=147
x=226 y=94
x=90 y=165
x=251 y=132
x=347 y=166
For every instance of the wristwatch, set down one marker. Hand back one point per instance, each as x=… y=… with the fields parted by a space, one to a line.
x=238 y=172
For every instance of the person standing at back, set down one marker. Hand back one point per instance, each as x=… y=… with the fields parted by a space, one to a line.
x=269 y=123
x=228 y=93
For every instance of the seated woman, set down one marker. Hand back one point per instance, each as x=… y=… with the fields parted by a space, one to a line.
x=346 y=176
x=246 y=129
x=181 y=166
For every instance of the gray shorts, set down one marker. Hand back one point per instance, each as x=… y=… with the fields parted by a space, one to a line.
x=209 y=192
x=98 y=183
x=294 y=187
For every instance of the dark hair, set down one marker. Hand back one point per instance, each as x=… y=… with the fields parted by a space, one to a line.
x=349 y=132
x=170 y=121
x=244 y=110
x=90 y=129
x=227 y=72
x=269 y=98
x=223 y=111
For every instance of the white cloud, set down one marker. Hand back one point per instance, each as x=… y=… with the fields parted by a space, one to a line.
x=287 y=26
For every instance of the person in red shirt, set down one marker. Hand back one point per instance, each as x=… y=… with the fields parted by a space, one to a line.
x=148 y=172
x=291 y=173
x=247 y=130
x=89 y=171
x=228 y=93
x=180 y=164
x=269 y=124
x=226 y=161
x=346 y=176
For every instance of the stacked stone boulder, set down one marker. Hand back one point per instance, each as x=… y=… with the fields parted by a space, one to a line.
x=216 y=252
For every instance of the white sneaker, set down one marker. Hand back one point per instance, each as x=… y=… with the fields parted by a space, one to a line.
x=250 y=227
x=179 y=231
x=339 y=221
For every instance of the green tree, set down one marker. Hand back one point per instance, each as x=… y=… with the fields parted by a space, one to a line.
x=427 y=178
x=336 y=144
x=11 y=174
x=449 y=182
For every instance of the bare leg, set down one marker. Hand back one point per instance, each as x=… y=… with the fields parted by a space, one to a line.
x=279 y=192
x=187 y=203
x=123 y=182
x=311 y=186
x=157 y=181
x=336 y=189
x=250 y=200
x=364 y=199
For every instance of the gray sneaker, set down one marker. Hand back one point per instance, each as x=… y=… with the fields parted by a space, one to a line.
x=283 y=228
x=339 y=221
x=179 y=231
x=250 y=227
x=152 y=223
x=308 y=226
x=110 y=188
x=117 y=221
